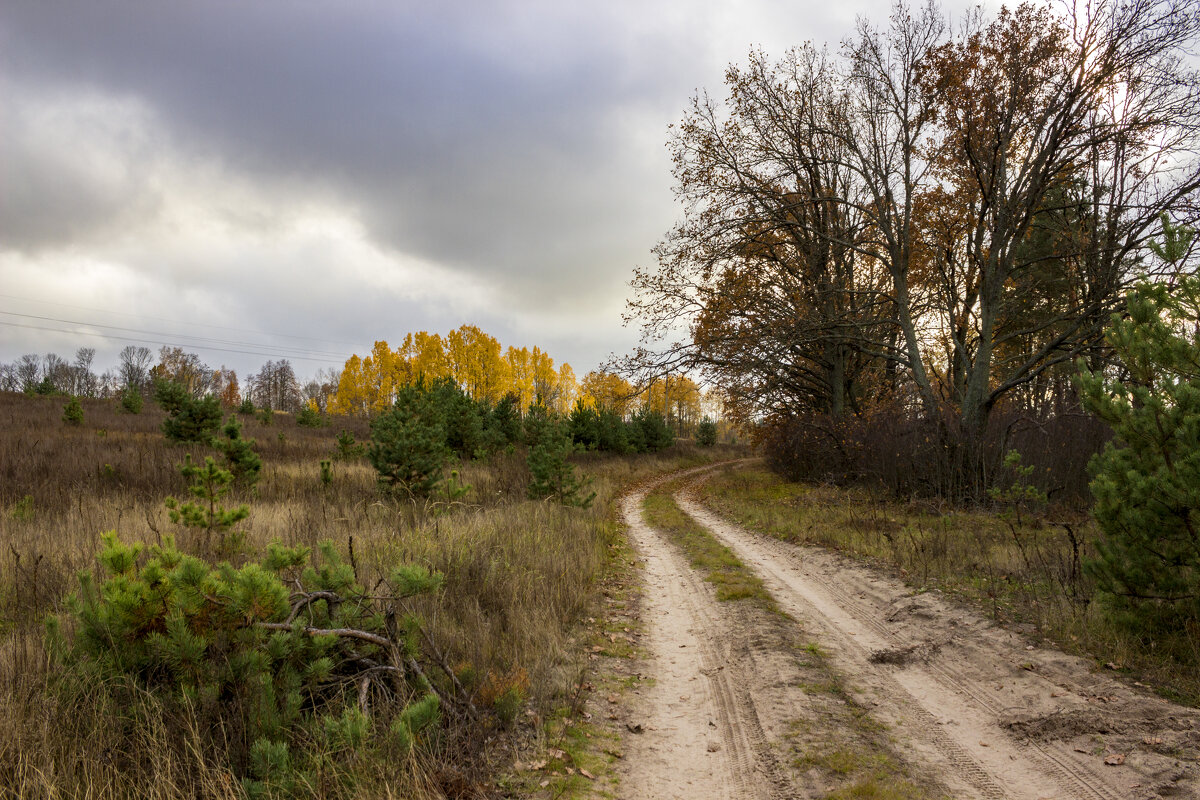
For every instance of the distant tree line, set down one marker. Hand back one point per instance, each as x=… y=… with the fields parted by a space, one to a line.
x=369 y=386
x=275 y=386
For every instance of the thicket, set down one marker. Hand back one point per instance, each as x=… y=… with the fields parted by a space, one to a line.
x=605 y=430
x=434 y=424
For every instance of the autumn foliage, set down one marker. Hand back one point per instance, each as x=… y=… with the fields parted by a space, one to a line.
x=467 y=356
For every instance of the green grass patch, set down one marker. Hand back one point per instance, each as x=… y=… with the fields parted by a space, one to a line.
x=732 y=579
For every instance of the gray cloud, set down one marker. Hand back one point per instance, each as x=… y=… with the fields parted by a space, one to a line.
x=512 y=151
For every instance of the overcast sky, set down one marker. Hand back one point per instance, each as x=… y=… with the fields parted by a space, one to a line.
x=300 y=179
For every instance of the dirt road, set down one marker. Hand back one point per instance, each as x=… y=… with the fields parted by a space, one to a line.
x=970 y=707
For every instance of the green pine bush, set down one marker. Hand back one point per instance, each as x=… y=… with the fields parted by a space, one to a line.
x=131 y=400
x=309 y=417
x=188 y=419
x=408 y=443
x=239 y=452
x=706 y=433
x=551 y=474
x=259 y=656
x=73 y=412
x=1147 y=480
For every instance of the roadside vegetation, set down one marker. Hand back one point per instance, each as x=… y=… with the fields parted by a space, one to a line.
x=1021 y=564
x=287 y=624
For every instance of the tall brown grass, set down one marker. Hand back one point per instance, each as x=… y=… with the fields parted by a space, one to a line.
x=519 y=575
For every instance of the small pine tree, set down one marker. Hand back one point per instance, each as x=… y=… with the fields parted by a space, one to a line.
x=239 y=453
x=236 y=645
x=408 y=444
x=209 y=483
x=131 y=400
x=650 y=431
x=585 y=426
x=551 y=474
x=247 y=407
x=326 y=472
x=612 y=433
x=188 y=419
x=309 y=417
x=1147 y=481
x=347 y=448
x=706 y=433
x=73 y=412
x=505 y=419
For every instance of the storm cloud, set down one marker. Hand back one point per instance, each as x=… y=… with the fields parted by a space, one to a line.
x=350 y=171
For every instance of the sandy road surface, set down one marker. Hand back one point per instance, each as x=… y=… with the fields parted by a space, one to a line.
x=966 y=701
x=698 y=734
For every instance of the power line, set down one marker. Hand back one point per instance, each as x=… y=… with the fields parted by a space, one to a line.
x=169 y=344
x=166 y=319
x=198 y=340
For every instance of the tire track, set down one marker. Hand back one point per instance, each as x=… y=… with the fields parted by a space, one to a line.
x=677 y=756
x=995 y=767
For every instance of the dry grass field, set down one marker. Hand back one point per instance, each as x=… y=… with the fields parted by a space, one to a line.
x=519 y=574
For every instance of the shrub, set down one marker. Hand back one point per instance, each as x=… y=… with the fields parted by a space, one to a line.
x=247 y=407
x=73 y=412
x=309 y=417
x=261 y=655
x=188 y=419
x=131 y=400
x=706 y=433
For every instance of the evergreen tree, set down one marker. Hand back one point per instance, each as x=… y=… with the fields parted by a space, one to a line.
x=461 y=418
x=706 y=433
x=612 y=432
x=650 y=431
x=505 y=420
x=209 y=483
x=261 y=650
x=551 y=475
x=1147 y=481
x=309 y=417
x=585 y=426
x=131 y=400
x=73 y=412
x=188 y=419
x=408 y=443
x=243 y=462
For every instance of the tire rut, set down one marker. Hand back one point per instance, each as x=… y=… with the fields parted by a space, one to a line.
x=677 y=756
x=923 y=696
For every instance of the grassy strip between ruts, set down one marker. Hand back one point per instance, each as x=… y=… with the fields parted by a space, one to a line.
x=1023 y=570
x=837 y=749
x=733 y=579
